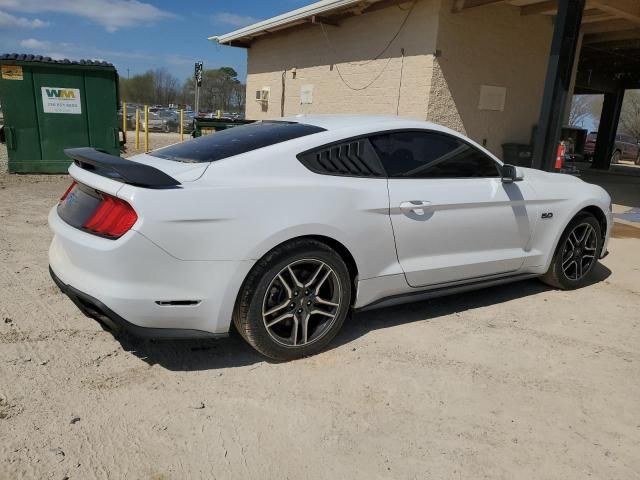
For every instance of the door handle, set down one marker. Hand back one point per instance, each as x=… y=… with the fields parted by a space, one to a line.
x=415 y=206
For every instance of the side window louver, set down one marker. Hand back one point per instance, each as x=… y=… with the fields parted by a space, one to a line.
x=356 y=158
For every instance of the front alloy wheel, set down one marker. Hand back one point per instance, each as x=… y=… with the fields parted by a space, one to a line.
x=579 y=251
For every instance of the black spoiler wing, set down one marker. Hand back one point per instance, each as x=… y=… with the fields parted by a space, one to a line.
x=120 y=169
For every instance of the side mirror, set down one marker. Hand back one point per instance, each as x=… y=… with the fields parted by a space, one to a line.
x=511 y=173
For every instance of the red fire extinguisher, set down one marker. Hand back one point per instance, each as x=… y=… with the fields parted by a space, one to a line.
x=560 y=156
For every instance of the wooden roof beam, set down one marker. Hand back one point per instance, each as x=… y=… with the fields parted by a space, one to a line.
x=549 y=7
x=608 y=37
x=460 y=5
x=627 y=9
x=595 y=16
x=608 y=26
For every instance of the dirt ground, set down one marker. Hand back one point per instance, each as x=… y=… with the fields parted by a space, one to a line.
x=513 y=382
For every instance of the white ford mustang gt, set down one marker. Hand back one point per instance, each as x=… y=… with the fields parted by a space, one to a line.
x=283 y=227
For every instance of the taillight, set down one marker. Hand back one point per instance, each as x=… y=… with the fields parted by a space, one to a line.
x=73 y=184
x=113 y=217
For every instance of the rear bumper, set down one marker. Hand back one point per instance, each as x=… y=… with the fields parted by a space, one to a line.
x=94 y=308
x=132 y=284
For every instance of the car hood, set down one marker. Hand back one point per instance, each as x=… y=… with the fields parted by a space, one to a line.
x=548 y=177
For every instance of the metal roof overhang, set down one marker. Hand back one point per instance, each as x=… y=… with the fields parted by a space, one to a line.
x=611 y=44
x=319 y=12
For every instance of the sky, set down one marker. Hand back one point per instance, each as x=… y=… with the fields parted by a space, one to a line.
x=134 y=35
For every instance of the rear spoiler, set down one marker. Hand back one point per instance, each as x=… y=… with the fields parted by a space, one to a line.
x=120 y=169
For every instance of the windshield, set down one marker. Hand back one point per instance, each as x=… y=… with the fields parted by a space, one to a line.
x=234 y=141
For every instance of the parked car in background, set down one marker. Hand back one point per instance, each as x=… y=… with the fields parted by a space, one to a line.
x=131 y=117
x=187 y=124
x=159 y=121
x=626 y=147
x=163 y=121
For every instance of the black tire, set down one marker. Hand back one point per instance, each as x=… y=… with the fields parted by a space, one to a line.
x=556 y=276
x=252 y=300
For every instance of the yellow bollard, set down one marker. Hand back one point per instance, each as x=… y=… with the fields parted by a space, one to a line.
x=146 y=128
x=124 y=118
x=137 y=129
x=181 y=125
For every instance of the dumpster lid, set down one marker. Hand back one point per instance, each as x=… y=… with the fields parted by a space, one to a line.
x=23 y=58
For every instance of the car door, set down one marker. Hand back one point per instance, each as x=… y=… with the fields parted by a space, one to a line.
x=453 y=218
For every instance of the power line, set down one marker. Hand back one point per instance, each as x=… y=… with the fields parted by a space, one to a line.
x=404 y=21
x=400 y=84
x=376 y=57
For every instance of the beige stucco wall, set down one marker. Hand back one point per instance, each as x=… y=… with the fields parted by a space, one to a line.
x=348 y=49
x=448 y=57
x=492 y=45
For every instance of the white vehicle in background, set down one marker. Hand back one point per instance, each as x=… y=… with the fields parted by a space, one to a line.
x=284 y=227
x=162 y=120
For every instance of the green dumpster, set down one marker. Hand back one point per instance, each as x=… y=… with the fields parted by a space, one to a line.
x=50 y=105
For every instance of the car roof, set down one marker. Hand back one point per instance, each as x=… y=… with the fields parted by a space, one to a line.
x=376 y=122
x=352 y=125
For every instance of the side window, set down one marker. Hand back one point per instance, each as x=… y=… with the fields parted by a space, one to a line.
x=352 y=158
x=415 y=154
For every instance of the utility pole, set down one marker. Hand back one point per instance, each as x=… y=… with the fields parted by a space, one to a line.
x=128 y=77
x=198 y=81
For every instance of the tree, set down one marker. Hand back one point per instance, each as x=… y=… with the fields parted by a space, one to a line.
x=221 y=89
x=157 y=86
x=139 y=88
x=165 y=87
x=238 y=97
x=585 y=108
x=630 y=116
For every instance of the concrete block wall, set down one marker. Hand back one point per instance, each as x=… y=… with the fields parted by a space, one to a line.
x=319 y=58
x=491 y=45
x=447 y=58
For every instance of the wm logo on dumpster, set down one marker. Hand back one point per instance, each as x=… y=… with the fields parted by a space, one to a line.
x=60 y=93
x=61 y=100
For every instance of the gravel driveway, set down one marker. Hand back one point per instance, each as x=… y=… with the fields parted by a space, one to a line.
x=513 y=382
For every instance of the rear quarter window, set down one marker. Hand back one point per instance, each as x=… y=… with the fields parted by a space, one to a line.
x=235 y=141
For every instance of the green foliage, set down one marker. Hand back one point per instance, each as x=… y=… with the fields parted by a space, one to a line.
x=221 y=90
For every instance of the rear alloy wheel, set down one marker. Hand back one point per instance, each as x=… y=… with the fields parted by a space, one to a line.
x=576 y=255
x=301 y=302
x=294 y=301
